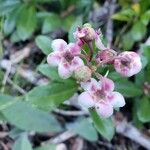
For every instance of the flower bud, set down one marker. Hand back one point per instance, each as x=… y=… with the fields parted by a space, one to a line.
x=106 y=55
x=86 y=33
x=83 y=73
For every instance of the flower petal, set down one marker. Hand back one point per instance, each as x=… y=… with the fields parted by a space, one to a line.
x=104 y=109
x=91 y=85
x=58 y=45
x=107 y=84
x=54 y=58
x=85 y=100
x=116 y=99
x=76 y=62
x=99 y=43
x=74 y=48
x=64 y=70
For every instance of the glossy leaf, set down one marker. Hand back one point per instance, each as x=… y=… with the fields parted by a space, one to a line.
x=104 y=126
x=22 y=143
x=85 y=129
x=144 y=109
x=51 y=23
x=44 y=43
x=27 y=20
x=50 y=72
x=52 y=95
x=25 y=117
x=127 y=88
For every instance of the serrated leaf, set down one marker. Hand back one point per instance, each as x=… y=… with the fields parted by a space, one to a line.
x=22 y=143
x=143 y=110
x=26 y=22
x=44 y=43
x=78 y=22
x=104 y=126
x=52 y=95
x=51 y=23
x=50 y=72
x=85 y=129
x=25 y=117
x=127 y=88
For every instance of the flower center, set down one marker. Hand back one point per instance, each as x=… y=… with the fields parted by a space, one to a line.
x=100 y=94
x=68 y=56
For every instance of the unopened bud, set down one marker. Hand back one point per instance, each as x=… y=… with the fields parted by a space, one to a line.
x=83 y=73
x=106 y=55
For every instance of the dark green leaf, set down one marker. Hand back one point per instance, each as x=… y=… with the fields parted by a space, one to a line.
x=44 y=43
x=144 y=109
x=22 y=143
x=85 y=129
x=104 y=126
x=51 y=23
x=78 y=22
x=50 y=72
x=6 y=6
x=138 y=31
x=127 y=88
x=124 y=15
x=52 y=95
x=27 y=22
x=24 y=116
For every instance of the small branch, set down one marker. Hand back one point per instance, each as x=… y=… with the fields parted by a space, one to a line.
x=61 y=138
x=70 y=113
x=131 y=132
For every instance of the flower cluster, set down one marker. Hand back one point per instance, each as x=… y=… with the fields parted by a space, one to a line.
x=73 y=60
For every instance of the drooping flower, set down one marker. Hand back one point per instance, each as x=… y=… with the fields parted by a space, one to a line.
x=65 y=56
x=87 y=34
x=101 y=95
x=128 y=63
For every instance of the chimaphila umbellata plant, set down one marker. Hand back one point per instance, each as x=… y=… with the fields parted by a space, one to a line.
x=73 y=60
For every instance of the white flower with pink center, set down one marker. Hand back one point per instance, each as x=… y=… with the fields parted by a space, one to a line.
x=65 y=56
x=128 y=63
x=101 y=95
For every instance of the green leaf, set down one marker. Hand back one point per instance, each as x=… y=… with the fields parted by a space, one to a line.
x=138 y=31
x=51 y=23
x=78 y=22
x=26 y=22
x=25 y=117
x=47 y=147
x=50 y=96
x=6 y=6
x=127 y=88
x=104 y=126
x=127 y=41
x=22 y=143
x=44 y=43
x=85 y=129
x=145 y=18
x=50 y=72
x=144 y=110
x=10 y=22
x=124 y=15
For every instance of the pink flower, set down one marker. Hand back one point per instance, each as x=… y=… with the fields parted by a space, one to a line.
x=101 y=96
x=65 y=57
x=87 y=34
x=128 y=63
